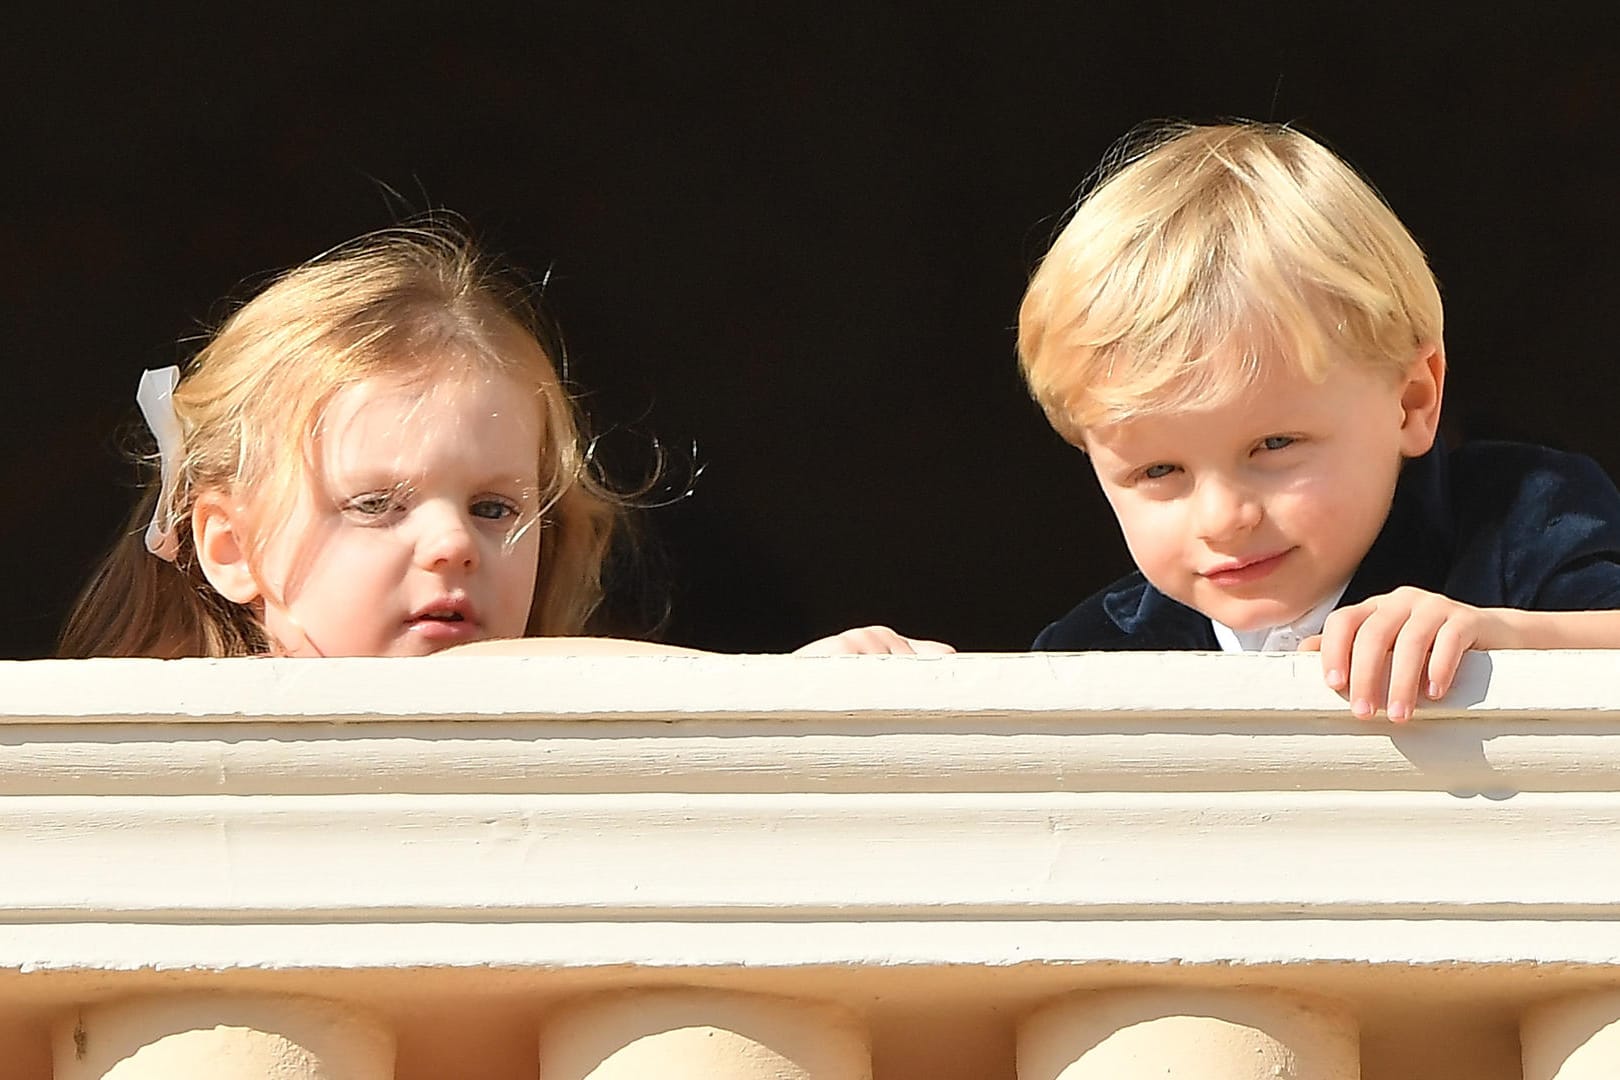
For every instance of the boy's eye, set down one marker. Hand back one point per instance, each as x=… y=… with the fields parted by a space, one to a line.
x=493 y=509
x=1276 y=442
x=1158 y=472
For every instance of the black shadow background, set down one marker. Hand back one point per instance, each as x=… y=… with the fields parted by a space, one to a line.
x=795 y=235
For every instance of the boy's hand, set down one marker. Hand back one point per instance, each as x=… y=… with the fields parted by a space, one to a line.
x=1415 y=637
x=872 y=639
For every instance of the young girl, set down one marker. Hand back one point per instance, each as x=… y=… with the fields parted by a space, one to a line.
x=374 y=456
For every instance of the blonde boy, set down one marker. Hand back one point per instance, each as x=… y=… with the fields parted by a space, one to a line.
x=1246 y=343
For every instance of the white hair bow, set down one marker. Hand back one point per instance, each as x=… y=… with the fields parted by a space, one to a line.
x=155 y=396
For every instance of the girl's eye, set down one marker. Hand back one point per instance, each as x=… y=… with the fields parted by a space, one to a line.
x=1276 y=442
x=1158 y=472
x=493 y=509
x=372 y=504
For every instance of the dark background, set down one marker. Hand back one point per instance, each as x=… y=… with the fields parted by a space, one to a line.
x=794 y=235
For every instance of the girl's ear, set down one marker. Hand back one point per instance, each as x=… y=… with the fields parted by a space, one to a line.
x=217 y=527
x=1421 y=393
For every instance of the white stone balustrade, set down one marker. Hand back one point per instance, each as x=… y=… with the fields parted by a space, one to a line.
x=1031 y=867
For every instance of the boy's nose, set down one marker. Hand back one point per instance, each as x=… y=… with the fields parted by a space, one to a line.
x=445 y=540
x=1224 y=510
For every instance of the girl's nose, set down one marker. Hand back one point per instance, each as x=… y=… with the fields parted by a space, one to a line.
x=446 y=539
x=1224 y=510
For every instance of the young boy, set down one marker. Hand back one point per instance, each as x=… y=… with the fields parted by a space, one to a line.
x=1246 y=343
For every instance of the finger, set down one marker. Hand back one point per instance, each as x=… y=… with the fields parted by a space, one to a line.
x=847 y=643
x=1409 y=660
x=827 y=646
x=882 y=640
x=925 y=647
x=1338 y=634
x=1446 y=657
x=865 y=640
x=1369 y=660
x=879 y=640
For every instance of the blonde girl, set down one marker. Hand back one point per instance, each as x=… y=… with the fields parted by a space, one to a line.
x=375 y=455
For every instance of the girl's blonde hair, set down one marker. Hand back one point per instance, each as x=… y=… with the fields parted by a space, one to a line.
x=1204 y=248
x=414 y=304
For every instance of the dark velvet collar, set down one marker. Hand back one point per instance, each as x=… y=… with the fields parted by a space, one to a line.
x=1415 y=545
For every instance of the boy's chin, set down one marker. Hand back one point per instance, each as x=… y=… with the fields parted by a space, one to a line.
x=1257 y=615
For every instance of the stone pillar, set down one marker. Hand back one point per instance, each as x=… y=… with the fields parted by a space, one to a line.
x=223 y=1036
x=1170 y=1034
x=25 y=1049
x=690 y=1034
x=1576 y=1038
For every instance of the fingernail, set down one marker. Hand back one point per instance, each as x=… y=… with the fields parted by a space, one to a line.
x=1434 y=691
x=1399 y=712
x=1362 y=708
x=1335 y=679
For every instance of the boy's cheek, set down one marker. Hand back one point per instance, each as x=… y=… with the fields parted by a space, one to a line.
x=1121 y=500
x=1144 y=518
x=1152 y=550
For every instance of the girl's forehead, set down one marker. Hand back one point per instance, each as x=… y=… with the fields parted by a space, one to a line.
x=405 y=400
x=485 y=420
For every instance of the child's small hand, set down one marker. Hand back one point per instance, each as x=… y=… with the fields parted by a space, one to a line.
x=872 y=639
x=1417 y=637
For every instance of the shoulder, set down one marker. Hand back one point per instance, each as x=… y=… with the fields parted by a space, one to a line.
x=1087 y=625
x=1130 y=614
x=1521 y=487
x=1551 y=519
x=1524 y=468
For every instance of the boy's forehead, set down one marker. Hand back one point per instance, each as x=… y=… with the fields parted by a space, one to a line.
x=1273 y=393
x=1121 y=381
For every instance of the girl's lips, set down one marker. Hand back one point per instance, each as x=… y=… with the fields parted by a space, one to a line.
x=446 y=631
x=447 y=621
x=1240 y=572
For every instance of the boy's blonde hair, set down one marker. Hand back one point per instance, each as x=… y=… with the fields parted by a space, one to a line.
x=1204 y=249
x=416 y=305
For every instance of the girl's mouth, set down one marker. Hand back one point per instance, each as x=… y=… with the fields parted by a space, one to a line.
x=449 y=620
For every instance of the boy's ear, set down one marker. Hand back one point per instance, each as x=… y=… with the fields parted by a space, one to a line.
x=217 y=527
x=1421 y=392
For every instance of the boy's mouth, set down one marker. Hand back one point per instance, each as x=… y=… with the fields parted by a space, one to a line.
x=1243 y=571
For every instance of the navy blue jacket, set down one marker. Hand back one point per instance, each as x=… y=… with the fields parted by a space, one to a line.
x=1491 y=524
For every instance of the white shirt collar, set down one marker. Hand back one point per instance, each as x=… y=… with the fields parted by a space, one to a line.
x=1284 y=638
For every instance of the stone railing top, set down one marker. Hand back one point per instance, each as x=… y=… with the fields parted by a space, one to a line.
x=1148 y=722
x=1031 y=685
